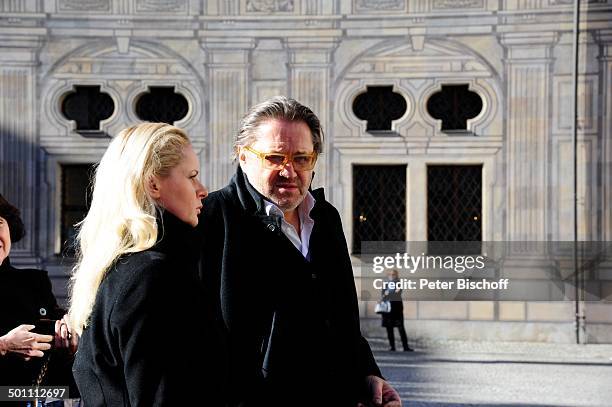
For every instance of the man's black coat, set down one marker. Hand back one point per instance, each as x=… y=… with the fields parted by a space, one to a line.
x=292 y=324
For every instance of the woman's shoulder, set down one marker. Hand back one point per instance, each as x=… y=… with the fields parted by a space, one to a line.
x=137 y=266
x=133 y=278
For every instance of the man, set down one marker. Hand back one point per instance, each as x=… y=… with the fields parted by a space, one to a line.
x=276 y=262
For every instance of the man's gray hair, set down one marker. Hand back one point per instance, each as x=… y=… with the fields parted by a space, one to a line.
x=279 y=108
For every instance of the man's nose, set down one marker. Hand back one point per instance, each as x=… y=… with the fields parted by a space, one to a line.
x=288 y=171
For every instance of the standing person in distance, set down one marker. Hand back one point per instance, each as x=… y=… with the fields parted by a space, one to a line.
x=394 y=318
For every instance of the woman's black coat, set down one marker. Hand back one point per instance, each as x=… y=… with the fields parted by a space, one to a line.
x=395 y=318
x=151 y=340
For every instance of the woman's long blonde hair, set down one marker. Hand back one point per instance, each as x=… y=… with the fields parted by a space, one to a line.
x=122 y=215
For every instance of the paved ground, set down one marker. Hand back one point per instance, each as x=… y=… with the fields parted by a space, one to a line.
x=455 y=373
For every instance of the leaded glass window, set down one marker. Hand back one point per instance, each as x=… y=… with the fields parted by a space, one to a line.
x=75 y=201
x=379 y=204
x=454 y=202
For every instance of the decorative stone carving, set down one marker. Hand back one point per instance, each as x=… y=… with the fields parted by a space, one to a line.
x=527 y=135
x=452 y=4
x=375 y=5
x=84 y=5
x=18 y=146
x=112 y=66
x=269 y=6
x=15 y=6
x=174 y=6
x=571 y=2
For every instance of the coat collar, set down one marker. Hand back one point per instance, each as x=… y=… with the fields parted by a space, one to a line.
x=175 y=236
x=253 y=202
x=6 y=265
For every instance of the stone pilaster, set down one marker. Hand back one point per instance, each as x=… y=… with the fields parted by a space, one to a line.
x=310 y=70
x=18 y=137
x=528 y=85
x=228 y=72
x=605 y=40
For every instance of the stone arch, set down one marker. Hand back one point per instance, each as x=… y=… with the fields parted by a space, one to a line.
x=417 y=74
x=123 y=73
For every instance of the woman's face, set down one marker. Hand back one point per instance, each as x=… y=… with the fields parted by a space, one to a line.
x=181 y=192
x=5 y=239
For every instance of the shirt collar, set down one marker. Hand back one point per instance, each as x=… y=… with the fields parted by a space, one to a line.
x=304 y=208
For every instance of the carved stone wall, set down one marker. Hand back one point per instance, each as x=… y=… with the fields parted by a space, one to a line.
x=19 y=182
x=225 y=55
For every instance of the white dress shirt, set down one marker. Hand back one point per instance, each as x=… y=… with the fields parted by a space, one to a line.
x=301 y=241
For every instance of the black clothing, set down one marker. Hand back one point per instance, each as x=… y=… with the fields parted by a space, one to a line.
x=403 y=336
x=293 y=324
x=26 y=297
x=395 y=318
x=151 y=340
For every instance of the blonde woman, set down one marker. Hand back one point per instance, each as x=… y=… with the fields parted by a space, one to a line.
x=135 y=298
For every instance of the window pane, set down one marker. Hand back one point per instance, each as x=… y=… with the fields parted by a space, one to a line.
x=379 y=204
x=75 y=201
x=454 y=202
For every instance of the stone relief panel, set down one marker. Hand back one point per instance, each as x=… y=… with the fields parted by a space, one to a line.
x=123 y=75
x=365 y=6
x=269 y=6
x=174 y=6
x=456 y=4
x=421 y=73
x=563 y=194
x=17 y=6
x=263 y=90
x=436 y=59
x=587 y=104
x=84 y=5
x=571 y=2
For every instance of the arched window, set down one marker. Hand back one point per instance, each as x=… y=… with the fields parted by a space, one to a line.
x=379 y=106
x=161 y=104
x=454 y=105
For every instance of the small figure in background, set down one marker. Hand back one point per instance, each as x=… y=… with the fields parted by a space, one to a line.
x=394 y=318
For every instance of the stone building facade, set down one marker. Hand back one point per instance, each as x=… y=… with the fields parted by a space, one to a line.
x=222 y=56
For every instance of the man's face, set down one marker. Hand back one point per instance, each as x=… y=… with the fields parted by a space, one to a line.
x=285 y=187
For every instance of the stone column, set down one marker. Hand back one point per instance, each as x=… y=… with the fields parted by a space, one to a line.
x=228 y=73
x=310 y=64
x=604 y=38
x=528 y=86
x=18 y=138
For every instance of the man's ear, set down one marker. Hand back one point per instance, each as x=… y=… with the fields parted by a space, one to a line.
x=241 y=157
x=152 y=186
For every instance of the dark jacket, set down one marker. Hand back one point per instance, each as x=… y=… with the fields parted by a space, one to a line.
x=293 y=324
x=26 y=297
x=395 y=318
x=151 y=340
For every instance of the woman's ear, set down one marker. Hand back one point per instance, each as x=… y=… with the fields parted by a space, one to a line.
x=152 y=186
